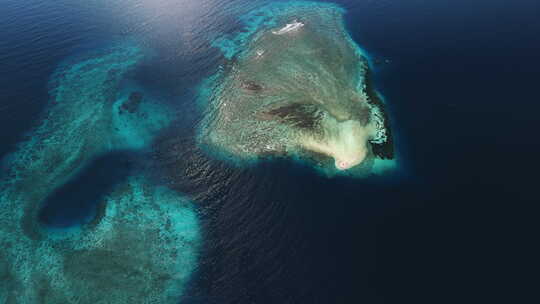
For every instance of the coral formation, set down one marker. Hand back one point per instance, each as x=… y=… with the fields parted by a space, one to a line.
x=295 y=85
x=141 y=246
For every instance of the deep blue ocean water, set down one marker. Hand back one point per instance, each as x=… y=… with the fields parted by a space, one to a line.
x=456 y=225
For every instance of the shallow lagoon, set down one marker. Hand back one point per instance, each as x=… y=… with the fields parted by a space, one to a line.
x=127 y=239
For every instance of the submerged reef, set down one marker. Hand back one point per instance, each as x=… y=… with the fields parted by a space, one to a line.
x=295 y=84
x=141 y=246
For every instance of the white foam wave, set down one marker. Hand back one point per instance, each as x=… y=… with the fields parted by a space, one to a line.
x=289 y=27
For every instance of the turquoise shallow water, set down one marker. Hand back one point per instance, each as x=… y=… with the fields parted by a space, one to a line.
x=141 y=238
x=107 y=196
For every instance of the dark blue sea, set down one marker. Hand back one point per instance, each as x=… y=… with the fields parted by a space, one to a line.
x=456 y=223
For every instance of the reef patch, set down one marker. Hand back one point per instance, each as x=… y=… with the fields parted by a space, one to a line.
x=296 y=85
x=141 y=245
